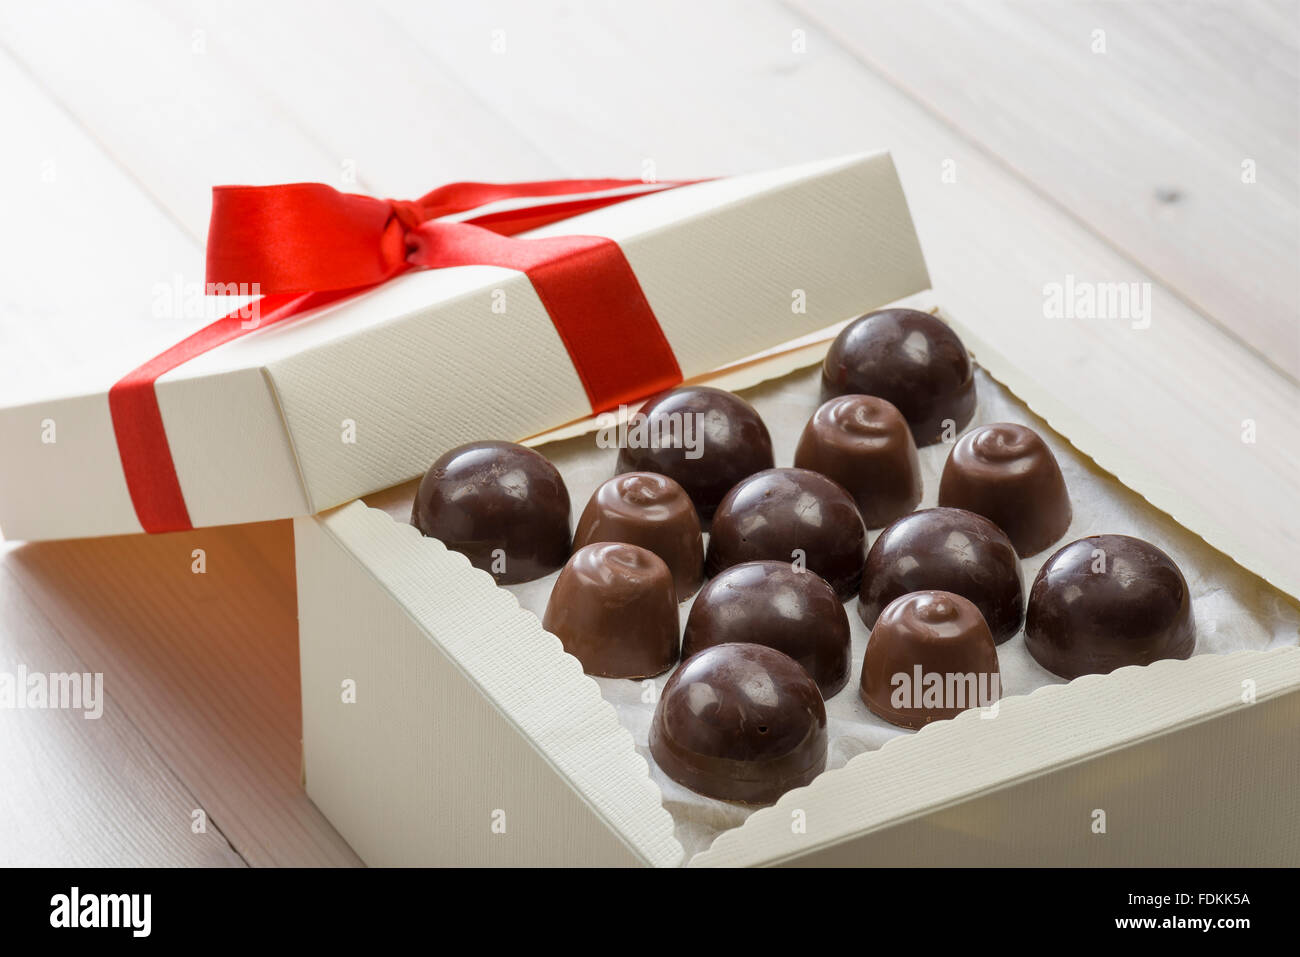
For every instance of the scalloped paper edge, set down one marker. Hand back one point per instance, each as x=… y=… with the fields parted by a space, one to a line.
x=1052 y=727
x=759 y=839
x=584 y=743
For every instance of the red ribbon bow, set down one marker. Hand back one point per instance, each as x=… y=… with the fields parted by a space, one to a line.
x=305 y=245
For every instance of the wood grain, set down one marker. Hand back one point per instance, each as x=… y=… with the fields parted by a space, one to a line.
x=1141 y=140
x=86 y=791
x=126 y=115
x=206 y=665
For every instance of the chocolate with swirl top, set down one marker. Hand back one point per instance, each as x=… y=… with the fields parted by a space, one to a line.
x=911 y=359
x=863 y=442
x=613 y=608
x=1006 y=473
x=653 y=511
x=930 y=657
x=1107 y=601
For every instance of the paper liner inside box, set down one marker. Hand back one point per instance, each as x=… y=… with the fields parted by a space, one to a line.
x=608 y=749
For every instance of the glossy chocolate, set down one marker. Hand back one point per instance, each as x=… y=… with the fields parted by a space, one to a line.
x=787 y=515
x=740 y=722
x=930 y=657
x=709 y=441
x=653 y=511
x=948 y=549
x=1107 y=601
x=1006 y=473
x=613 y=609
x=863 y=443
x=911 y=359
x=773 y=604
x=503 y=506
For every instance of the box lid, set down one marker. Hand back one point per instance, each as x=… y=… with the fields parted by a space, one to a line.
x=363 y=394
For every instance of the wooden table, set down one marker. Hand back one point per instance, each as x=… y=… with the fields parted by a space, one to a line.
x=1152 y=142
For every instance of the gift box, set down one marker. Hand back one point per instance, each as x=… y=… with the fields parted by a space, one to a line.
x=442 y=724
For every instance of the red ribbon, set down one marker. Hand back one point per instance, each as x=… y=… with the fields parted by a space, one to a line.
x=306 y=245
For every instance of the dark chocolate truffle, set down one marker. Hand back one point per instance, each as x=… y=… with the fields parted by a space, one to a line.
x=776 y=605
x=705 y=439
x=653 y=511
x=791 y=515
x=863 y=443
x=503 y=506
x=1006 y=473
x=930 y=657
x=740 y=722
x=909 y=358
x=613 y=609
x=948 y=549
x=1107 y=601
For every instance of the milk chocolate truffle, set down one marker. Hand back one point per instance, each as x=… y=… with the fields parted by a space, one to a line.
x=503 y=506
x=790 y=515
x=1006 y=473
x=705 y=439
x=774 y=604
x=1108 y=601
x=948 y=549
x=740 y=722
x=930 y=657
x=863 y=443
x=653 y=511
x=909 y=358
x=613 y=609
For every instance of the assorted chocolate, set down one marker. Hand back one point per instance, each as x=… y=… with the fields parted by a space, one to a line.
x=946 y=549
x=767 y=639
x=1107 y=601
x=1006 y=473
x=930 y=657
x=614 y=609
x=705 y=439
x=910 y=359
x=794 y=516
x=779 y=606
x=864 y=443
x=740 y=722
x=503 y=506
x=653 y=511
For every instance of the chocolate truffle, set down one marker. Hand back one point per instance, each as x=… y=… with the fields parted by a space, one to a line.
x=503 y=506
x=1006 y=473
x=863 y=443
x=1108 y=601
x=776 y=605
x=930 y=657
x=740 y=722
x=790 y=515
x=653 y=511
x=908 y=358
x=705 y=439
x=613 y=609
x=948 y=549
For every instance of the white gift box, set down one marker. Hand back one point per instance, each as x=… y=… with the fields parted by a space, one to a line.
x=442 y=724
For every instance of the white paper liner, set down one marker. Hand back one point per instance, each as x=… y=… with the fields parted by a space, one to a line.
x=1234 y=609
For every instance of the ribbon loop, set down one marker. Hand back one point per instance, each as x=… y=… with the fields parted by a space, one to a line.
x=304 y=245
